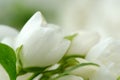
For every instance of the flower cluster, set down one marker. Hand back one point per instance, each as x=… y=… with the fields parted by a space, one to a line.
x=48 y=52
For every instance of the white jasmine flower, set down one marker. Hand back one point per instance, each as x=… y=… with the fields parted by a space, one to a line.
x=106 y=53
x=43 y=44
x=83 y=42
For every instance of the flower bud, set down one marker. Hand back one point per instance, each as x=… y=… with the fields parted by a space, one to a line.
x=43 y=44
x=83 y=42
x=107 y=53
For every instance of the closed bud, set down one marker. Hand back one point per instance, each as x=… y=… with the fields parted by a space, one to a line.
x=43 y=44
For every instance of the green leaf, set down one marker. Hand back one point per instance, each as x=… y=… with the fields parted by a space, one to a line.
x=8 y=60
x=35 y=69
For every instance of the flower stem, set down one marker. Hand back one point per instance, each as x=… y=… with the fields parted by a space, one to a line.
x=33 y=76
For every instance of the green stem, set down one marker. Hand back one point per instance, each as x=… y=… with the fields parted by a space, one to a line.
x=33 y=76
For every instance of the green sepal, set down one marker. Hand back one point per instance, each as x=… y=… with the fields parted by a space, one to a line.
x=71 y=37
x=19 y=63
x=8 y=60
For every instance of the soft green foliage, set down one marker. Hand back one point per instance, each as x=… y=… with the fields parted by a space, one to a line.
x=8 y=60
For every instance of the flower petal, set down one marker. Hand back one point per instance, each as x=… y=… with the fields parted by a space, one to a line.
x=70 y=77
x=6 y=31
x=83 y=42
x=42 y=46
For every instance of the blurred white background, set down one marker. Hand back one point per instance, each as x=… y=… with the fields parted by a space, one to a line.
x=99 y=15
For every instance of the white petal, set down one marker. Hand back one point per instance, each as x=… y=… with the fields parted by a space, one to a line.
x=8 y=41
x=83 y=42
x=43 y=46
x=97 y=50
x=3 y=74
x=84 y=71
x=24 y=77
x=6 y=31
x=103 y=74
x=34 y=22
x=70 y=77
x=107 y=54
